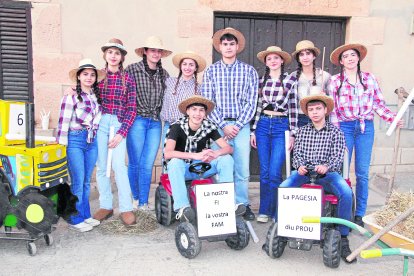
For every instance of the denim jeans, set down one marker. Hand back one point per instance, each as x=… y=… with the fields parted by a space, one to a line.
x=118 y=167
x=303 y=120
x=241 y=153
x=331 y=183
x=81 y=162
x=142 y=145
x=178 y=173
x=164 y=132
x=362 y=143
x=270 y=139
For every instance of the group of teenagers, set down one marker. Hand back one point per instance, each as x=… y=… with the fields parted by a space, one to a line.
x=218 y=121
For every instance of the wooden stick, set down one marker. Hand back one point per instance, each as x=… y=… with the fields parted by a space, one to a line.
x=378 y=235
x=400 y=113
x=323 y=65
x=400 y=93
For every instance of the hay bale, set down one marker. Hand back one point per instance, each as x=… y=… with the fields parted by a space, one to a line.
x=146 y=222
x=397 y=204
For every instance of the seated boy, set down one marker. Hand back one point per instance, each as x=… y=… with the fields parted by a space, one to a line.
x=187 y=141
x=322 y=145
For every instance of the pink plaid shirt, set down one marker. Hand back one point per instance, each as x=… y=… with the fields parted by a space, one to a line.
x=353 y=103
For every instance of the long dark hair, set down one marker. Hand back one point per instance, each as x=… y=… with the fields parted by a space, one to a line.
x=95 y=89
x=181 y=73
x=341 y=77
x=159 y=67
x=266 y=76
x=299 y=70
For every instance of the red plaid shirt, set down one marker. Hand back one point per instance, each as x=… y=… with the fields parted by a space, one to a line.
x=118 y=101
x=353 y=103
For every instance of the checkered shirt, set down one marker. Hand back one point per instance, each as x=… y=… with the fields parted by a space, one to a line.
x=77 y=115
x=119 y=100
x=319 y=147
x=185 y=89
x=353 y=103
x=233 y=88
x=282 y=100
x=149 y=90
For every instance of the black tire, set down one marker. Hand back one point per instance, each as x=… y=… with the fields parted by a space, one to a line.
x=187 y=241
x=241 y=240
x=49 y=216
x=164 y=206
x=31 y=248
x=275 y=245
x=332 y=248
x=48 y=239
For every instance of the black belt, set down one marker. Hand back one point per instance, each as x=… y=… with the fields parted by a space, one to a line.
x=230 y=119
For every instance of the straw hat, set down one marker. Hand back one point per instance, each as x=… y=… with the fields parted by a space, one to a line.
x=319 y=97
x=355 y=46
x=240 y=38
x=274 y=50
x=195 y=99
x=115 y=43
x=155 y=43
x=189 y=54
x=86 y=63
x=306 y=45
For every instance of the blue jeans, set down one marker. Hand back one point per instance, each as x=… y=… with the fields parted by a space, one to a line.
x=303 y=120
x=142 y=145
x=178 y=173
x=362 y=143
x=241 y=153
x=81 y=161
x=331 y=183
x=118 y=167
x=270 y=139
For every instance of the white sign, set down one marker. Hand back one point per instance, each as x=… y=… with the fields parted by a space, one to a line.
x=215 y=209
x=295 y=203
x=17 y=124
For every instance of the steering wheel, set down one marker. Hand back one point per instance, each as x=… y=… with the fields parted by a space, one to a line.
x=199 y=168
x=313 y=175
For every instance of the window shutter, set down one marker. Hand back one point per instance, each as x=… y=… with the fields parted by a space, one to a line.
x=16 y=66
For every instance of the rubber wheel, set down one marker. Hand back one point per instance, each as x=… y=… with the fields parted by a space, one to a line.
x=31 y=248
x=187 y=241
x=274 y=245
x=164 y=206
x=241 y=240
x=48 y=239
x=49 y=216
x=332 y=248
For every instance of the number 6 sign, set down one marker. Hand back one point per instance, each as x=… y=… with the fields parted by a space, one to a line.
x=17 y=124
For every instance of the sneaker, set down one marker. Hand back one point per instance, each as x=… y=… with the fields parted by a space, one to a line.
x=262 y=218
x=248 y=215
x=186 y=214
x=81 y=227
x=134 y=205
x=345 y=250
x=240 y=209
x=103 y=214
x=92 y=222
x=358 y=221
x=145 y=208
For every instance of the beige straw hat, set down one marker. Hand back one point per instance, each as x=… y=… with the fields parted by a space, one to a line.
x=114 y=43
x=182 y=106
x=189 y=54
x=240 y=38
x=153 y=42
x=274 y=50
x=86 y=63
x=305 y=45
x=317 y=96
x=355 y=46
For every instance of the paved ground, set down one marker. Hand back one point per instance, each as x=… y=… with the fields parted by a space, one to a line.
x=99 y=253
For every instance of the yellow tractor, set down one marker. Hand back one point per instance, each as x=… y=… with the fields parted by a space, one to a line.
x=33 y=178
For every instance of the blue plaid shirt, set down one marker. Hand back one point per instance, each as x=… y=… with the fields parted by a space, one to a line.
x=233 y=88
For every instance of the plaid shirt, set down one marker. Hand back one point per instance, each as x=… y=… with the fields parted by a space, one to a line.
x=233 y=88
x=77 y=115
x=185 y=89
x=149 y=90
x=118 y=102
x=282 y=100
x=319 y=147
x=353 y=103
